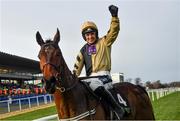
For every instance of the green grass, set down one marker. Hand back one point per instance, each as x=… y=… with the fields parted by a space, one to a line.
x=168 y=107
x=34 y=114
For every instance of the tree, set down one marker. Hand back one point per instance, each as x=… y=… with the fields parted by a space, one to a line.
x=157 y=84
x=149 y=85
x=138 y=81
x=174 y=84
x=129 y=80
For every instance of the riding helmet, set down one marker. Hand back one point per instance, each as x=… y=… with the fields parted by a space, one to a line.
x=89 y=27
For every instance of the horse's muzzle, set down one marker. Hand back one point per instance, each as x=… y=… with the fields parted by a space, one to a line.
x=50 y=85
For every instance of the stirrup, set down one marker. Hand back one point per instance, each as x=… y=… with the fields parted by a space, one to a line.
x=121 y=113
x=117 y=115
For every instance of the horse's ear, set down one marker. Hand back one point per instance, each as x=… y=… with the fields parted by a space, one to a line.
x=57 y=37
x=39 y=39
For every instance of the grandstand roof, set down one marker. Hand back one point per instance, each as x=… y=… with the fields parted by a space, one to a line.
x=18 y=66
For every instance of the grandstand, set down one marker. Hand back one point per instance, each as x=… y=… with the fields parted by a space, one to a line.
x=19 y=78
x=15 y=67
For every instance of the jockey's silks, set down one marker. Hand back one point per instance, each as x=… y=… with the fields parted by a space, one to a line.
x=91 y=49
x=97 y=57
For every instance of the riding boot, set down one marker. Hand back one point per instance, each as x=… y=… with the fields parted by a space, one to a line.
x=107 y=96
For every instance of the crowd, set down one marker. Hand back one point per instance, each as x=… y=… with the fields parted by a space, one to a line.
x=12 y=89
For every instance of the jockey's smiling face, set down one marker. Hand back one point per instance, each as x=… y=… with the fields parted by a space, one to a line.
x=90 y=37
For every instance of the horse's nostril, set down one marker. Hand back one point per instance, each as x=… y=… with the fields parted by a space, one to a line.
x=53 y=79
x=57 y=75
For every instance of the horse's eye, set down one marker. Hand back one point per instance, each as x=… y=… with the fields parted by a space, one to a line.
x=57 y=54
x=38 y=56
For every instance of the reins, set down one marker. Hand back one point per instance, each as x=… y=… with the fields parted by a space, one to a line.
x=59 y=79
x=63 y=89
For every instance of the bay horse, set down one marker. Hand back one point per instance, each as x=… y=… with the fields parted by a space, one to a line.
x=73 y=99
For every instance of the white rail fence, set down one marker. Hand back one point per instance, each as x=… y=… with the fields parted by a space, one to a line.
x=47 y=118
x=155 y=94
x=9 y=105
x=24 y=103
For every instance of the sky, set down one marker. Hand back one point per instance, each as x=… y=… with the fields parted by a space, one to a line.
x=148 y=45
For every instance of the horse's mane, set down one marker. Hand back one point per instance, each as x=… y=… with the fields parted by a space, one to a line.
x=48 y=41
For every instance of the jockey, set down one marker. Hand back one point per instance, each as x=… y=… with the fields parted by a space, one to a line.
x=96 y=56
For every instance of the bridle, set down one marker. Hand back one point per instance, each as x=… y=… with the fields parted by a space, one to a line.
x=58 y=77
x=53 y=65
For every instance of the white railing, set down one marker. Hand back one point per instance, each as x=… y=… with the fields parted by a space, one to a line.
x=24 y=103
x=155 y=94
x=47 y=118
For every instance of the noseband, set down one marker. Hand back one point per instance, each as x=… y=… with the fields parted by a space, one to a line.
x=58 y=77
x=53 y=65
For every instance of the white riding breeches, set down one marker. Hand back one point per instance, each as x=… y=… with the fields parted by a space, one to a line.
x=94 y=83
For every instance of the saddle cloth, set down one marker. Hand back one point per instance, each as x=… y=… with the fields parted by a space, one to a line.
x=121 y=99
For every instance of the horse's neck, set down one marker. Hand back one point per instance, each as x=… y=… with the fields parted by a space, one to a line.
x=66 y=73
x=75 y=97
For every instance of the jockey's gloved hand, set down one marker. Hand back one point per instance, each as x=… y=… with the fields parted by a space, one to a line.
x=113 y=10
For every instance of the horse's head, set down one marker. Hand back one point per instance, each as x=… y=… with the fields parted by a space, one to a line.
x=50 y=61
